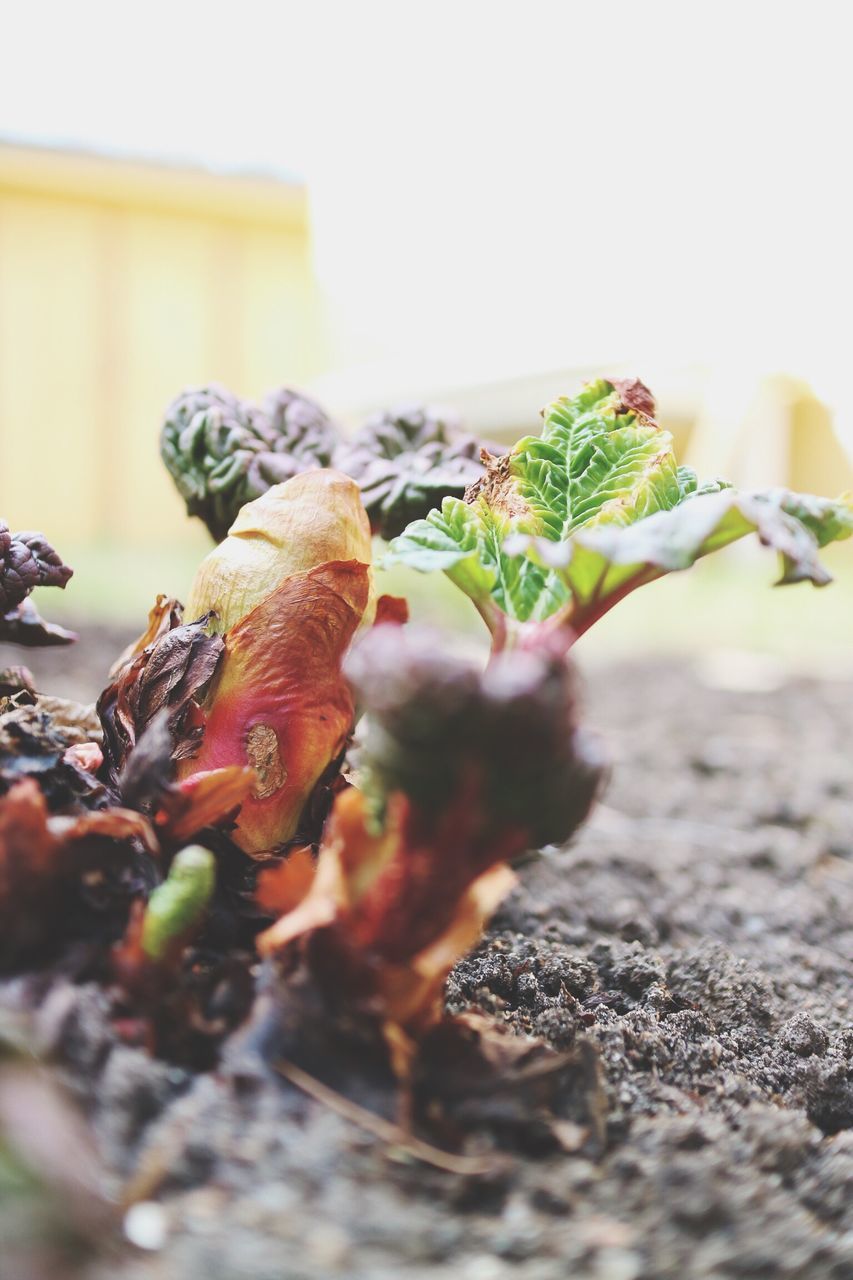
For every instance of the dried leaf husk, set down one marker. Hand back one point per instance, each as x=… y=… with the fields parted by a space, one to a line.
x=165 y=615
x=265 y=702
x=314 y=519
x=169 y=675
x=282 y=885
x=77 y=722
x=204 y=800
x=34 y=745
x=392 y=611
x=25 y=626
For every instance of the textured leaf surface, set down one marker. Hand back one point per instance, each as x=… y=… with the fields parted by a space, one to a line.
x=27 y=561
x=406 y=461
x=600 y=565
x=571 y=520
x=600 y=459
x=223 y=452
x=310 y=520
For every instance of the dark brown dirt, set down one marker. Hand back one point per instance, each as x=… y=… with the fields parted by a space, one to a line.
x=699 y=934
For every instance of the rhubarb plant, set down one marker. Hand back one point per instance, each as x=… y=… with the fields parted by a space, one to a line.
x=211 y=812
x=406 y=460
x=569 y=522
x=288 y=589
x=459 y=772
x=223 y=452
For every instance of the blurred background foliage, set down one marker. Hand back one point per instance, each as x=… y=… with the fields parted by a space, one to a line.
x=364 y=227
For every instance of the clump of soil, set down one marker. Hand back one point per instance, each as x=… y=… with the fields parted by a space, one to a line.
x=696 y=943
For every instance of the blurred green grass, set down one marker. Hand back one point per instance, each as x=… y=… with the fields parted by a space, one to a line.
x=115 y=583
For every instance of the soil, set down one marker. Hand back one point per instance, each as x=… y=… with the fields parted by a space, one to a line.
x=696 y=942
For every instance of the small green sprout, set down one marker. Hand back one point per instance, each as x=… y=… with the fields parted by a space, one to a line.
x=177 y=906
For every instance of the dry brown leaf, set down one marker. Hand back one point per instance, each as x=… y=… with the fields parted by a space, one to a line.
x=170 y=674
x=165 y=614
x=77 y=721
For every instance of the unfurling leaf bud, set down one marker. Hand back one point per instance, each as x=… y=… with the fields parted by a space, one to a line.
x=288 y=589
x=27 y=561
x=406 y=461
x=223 y=452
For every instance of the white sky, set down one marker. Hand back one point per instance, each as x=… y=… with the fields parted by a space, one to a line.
x=177 y=81
x=510 y=184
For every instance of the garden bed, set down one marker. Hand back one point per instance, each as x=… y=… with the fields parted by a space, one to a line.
x=692 y=955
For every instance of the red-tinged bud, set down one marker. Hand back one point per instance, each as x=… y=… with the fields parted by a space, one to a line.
x=289 y=587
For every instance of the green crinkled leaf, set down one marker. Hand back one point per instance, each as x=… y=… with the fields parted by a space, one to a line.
x=571 y=520
x=467 y=543
x=598 y=461
x=599 y=566
x=827 y=519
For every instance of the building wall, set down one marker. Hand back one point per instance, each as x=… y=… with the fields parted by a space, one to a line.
x=119 y=285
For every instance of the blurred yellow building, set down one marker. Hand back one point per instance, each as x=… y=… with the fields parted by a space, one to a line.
x=121 y=283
